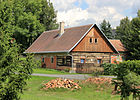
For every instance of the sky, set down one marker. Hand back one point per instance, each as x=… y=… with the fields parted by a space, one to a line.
x=83 y=12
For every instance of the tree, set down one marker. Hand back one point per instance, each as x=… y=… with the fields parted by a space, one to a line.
x=134 y=43
x=49 y=13
x=106 y=29
x=128 y=78
x=129 y=33
x=6 y=19
x=29 y=19
x=13 y=71
x=123 y=31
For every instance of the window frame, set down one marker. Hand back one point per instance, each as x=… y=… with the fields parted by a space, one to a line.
x=90 y=40
x=52 y=59
x=100 y=61
x=96 y=40
x=82 y=59
x=43 y=60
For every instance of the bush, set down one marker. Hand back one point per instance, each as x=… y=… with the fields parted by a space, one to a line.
x=128 y=77
x=97 y=71
x=67 y=70
x=109 y=68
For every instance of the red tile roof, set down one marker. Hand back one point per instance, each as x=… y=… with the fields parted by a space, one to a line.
x=50 y=41
x=118 y=45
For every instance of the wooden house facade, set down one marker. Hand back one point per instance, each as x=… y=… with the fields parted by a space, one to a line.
x=71 y=47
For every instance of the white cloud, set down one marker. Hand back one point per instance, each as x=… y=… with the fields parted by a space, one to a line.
x=63 y=5
x=97 y=10
x=72 y=16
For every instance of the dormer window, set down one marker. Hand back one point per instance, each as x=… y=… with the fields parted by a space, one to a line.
x=95 y=40
x=90 y=40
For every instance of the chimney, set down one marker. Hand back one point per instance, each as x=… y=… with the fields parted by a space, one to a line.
x=61 y=29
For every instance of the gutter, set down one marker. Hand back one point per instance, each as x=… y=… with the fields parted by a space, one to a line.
x=65 y=51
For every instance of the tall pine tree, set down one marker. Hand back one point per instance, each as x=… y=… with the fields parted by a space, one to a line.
x=123 y=31
x=106 y=29
x=134 y=43
x=13 y=71
x=129 y=33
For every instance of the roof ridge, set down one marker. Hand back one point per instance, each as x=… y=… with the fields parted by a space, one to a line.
x=79 y=26
x=68 y=28
x=51 y=30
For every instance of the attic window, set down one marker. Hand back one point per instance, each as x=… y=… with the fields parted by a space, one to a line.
x=95 y=40
x=90 y=40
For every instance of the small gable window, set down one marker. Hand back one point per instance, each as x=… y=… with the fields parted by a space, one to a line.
x=95 y=40
x=90 y=40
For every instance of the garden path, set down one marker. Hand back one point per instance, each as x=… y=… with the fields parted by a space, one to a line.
x=75 y=76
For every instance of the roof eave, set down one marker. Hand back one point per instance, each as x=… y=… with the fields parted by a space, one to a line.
x=47 y=52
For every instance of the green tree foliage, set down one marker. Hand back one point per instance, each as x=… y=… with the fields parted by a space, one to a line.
x=109 y=68
x=29 y=19
x=124 y=31
x=6 y=16
x=128 y=76
x=134 y=43
x=106 y=29
x=13 y=71
x=129 y=33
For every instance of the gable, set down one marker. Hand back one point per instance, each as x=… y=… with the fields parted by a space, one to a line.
x=102 y=44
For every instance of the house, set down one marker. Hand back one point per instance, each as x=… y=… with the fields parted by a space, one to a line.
x=73 y=47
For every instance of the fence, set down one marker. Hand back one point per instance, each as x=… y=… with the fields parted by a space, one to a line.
x=87 y=67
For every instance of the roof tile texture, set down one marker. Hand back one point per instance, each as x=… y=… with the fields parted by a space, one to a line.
x=118 y=45
x=51 y=41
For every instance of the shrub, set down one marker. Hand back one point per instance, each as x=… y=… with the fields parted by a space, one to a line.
x=97 y=71
x=128 y=77
x=109 y=68
x=67 y=70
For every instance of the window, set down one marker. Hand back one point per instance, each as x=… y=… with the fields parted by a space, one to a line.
x=99 y=61
x=64 y=61
x=82 y=60
x=52 y=59
x=90 y=40
x=96 y=40
x=43 y=59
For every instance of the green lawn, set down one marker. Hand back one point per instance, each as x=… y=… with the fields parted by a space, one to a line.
x=52 y=71
x=48 y=71
x=88 y=92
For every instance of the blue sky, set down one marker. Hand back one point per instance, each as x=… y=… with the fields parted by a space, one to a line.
x=81 y=12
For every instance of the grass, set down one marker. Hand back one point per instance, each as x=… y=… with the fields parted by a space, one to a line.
x=49 y=71
x=88 y=92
